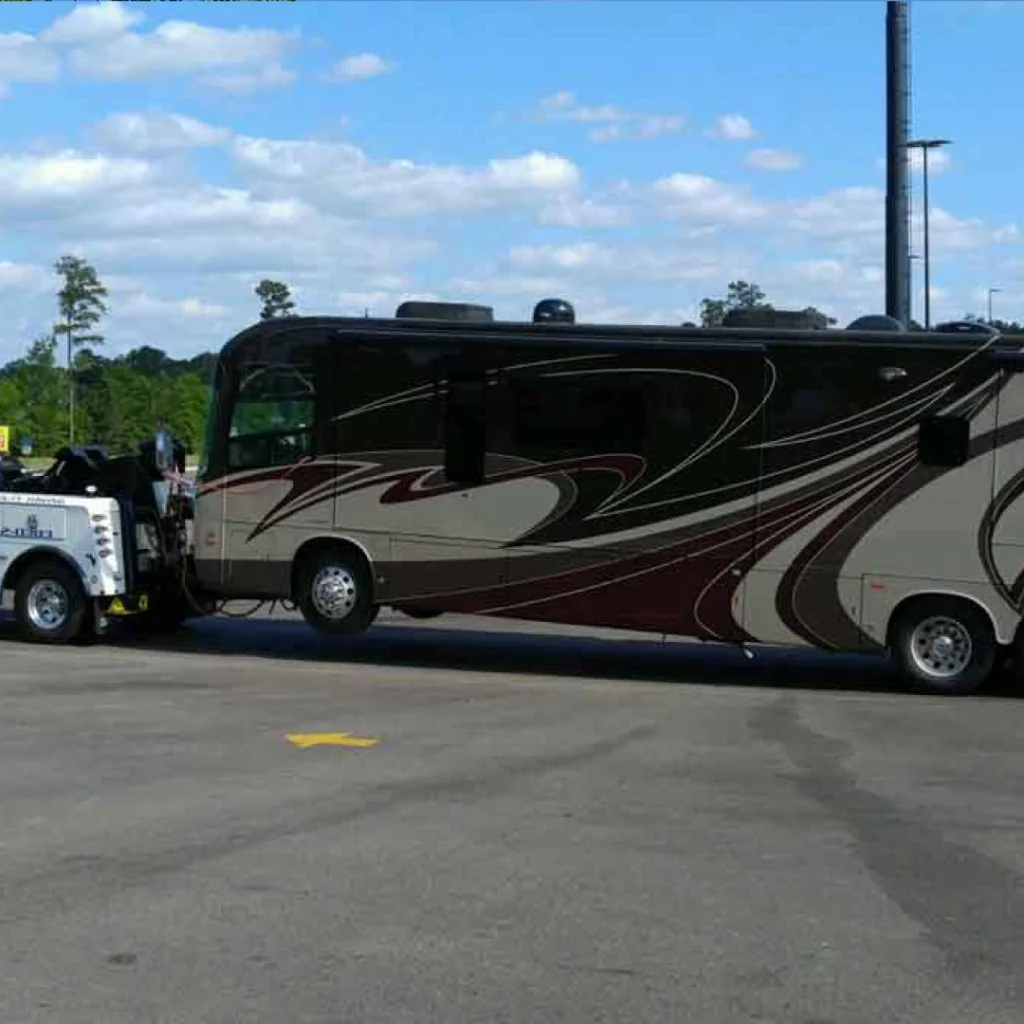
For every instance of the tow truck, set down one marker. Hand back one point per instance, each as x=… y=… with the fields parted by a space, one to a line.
x=94 y=538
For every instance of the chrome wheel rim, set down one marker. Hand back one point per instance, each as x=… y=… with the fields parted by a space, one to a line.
x=48 y=605
x=941 y=647
x=334 y=592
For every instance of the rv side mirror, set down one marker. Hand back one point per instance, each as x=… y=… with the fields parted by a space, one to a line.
x=163 y=449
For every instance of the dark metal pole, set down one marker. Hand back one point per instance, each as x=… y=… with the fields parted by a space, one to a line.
x=927 y=250
x=897 y=232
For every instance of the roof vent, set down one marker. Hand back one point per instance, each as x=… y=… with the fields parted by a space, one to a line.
x=768 y=318
x=549 y=311
x=877 y=322
x=413 y=310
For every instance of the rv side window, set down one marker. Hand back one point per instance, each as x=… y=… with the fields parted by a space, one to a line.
x=465 y=427
x=943 y=441
x=585 y=415
x=273 y=417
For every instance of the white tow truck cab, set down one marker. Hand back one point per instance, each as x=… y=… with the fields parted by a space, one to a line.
x=94 y=537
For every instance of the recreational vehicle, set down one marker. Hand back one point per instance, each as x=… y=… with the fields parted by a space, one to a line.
x=850 y=490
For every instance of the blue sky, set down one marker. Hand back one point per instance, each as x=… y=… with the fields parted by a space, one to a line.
x=632 y=157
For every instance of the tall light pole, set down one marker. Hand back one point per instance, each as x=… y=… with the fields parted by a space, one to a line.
x=925 y=145
x=897 y=133
x=991 y=292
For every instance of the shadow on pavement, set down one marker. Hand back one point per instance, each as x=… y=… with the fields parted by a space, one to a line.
x=497 y=650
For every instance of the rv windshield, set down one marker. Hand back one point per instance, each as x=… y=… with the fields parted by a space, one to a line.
x=272 y=419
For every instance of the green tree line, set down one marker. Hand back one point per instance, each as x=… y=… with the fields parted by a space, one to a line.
x=64 y=391
x=117 y=401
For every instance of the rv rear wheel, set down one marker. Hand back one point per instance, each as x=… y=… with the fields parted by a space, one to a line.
x=50 y=603
x=943 y=645
x=334 y=591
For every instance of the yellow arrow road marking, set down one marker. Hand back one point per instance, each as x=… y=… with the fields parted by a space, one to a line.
x=332 y=739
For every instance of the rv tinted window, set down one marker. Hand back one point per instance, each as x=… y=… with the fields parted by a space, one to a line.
x=943 y=441
x=582 y=415
x=273 y=418
x=386 y=396
x=465 y=427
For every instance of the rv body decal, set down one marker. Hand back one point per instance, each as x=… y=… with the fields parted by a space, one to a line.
x=687 y=547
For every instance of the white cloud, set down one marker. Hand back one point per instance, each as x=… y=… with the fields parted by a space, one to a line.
x=38 y=179
x=582 y=255
x=24 y=59
x=574 y=211
x=359 y=67
x=774 y=159
x=156 y=133
x=822 y=271
x=18 y=278
x=636 y=262
x=99 y=42
x=660 y=124
x=204 y=207
x=343 y=177
x=734 y=127
x=504 y=285
x=950 y=233
x=697 y=197
x=610 y=123
x=178 y=47
x=847 y=215
x=536 y=170
x=378 y=302
x=142 y=305
x=91 y=23
x=244 y=83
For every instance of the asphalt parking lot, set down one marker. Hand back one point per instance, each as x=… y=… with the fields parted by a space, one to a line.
x=503 y=828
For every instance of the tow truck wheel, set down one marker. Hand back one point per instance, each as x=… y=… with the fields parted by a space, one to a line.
x=50 y=604
x=168 y=611
x=334 y=591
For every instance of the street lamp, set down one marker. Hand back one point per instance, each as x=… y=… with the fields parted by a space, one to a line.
x=991 y=292
x=925 y=145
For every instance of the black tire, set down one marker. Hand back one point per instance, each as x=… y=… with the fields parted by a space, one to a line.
x=942 y=645
x=50 y=603
x=334 y=591
x=168 y=612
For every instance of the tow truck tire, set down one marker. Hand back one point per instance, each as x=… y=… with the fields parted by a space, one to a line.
x=167 y=613
x=50 y=603
x=334 y=591
x=943 y=646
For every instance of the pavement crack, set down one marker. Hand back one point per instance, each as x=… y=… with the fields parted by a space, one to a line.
x=978 y=927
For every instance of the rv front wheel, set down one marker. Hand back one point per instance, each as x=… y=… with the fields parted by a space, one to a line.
x=333 y=592
x=943 y=645
x=50 y=603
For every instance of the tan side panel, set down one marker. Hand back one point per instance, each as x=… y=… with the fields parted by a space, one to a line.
x=933 y=533
x=495 y=513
